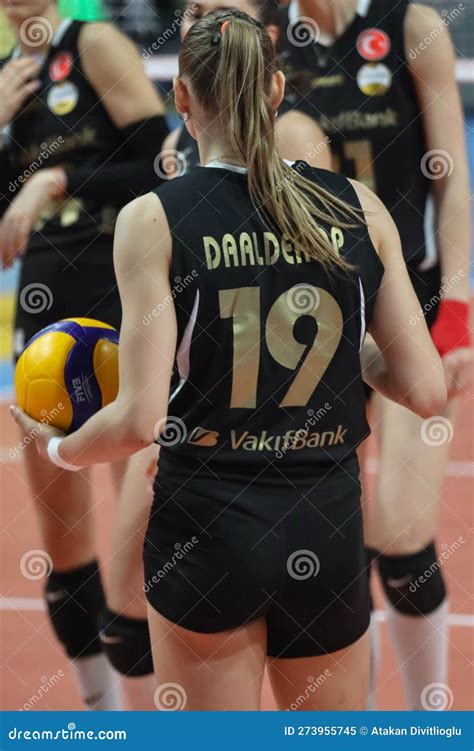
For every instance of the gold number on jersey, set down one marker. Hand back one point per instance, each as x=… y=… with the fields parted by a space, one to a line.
x=243 y=306
x=362 y=154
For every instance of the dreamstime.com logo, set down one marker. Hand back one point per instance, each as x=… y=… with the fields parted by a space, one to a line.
x=46 y=419
x=180 y=552
x=437 y=697
x=312 y=686
x=47 y=684
x=436 y=431
x=303 y=564
x=170 y=697
x=36 y=564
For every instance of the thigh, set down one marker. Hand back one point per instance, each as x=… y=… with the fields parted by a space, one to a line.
x=412 y=464
x=207 y=672
x=63 y=504
x=332 y=682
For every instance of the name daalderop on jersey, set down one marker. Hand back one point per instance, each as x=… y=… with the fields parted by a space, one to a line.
x=260 y=249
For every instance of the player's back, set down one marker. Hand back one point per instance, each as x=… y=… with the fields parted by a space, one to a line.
x=268 y=340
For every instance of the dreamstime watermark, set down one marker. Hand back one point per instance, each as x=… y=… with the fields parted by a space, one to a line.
x=47 y=150
x=46 y=419
x=170 y=431
x=303 y=31
x=71 y=733
x=180 y=552
x=170 y=697
x=437 y=164
x=46 y=685
x=447 y=552
x=311 y=688
x=436 y=431
x=303 y=299
x=446 y=286
x=179 y=286
x=303 y=564
x=36 y=31
x=313 y=150
x=447 y=17
x=437 y=697
x=301 y=435
x=36 y=564
x=36 y=298
x=169 y=32
x=170 y=163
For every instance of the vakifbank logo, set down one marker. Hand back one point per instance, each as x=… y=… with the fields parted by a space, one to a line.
x=203 y=437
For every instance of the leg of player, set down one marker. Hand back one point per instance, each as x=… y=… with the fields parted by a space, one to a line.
x=402 y=528
x=203 y=672
x=334 y=682
x=74 y=594
x=374 y=630
x=124 y=628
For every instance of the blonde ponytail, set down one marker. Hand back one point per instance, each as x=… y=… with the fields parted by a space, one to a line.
x=230 y=68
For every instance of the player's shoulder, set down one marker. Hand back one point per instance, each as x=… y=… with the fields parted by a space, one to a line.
x=184 y=183
x=102 y=38
x=334 y=182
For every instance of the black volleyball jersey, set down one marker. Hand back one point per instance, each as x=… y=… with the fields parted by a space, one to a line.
x=361 y=92
x=64 y=123
x=268 y=342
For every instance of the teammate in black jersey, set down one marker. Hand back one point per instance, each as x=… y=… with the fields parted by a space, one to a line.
x=298 y=136
x=81 y=127
x=387 y=98
x=256 y=282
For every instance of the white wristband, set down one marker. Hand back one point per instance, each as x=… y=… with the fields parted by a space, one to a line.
x=56 y=458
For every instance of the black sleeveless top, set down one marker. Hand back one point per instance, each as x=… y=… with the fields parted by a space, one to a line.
x=65 y=124
x=268 y=342
x=361 y=92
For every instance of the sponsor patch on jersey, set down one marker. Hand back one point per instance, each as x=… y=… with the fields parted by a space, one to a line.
x=374 y=79
x=373 y=45
x=203 y=437
x=61 y=66
x=63 y=98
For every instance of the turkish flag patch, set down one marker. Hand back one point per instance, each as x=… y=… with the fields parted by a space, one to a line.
x=373 y=45
x=61 y=66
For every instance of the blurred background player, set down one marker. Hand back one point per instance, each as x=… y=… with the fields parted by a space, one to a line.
x=81 y=126
x=389 y=102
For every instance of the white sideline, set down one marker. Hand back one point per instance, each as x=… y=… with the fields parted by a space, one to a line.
x=36 y=603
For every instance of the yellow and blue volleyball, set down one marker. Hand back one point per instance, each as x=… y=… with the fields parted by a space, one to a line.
x=68 y=372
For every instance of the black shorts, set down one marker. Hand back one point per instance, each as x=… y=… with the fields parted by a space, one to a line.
x=219 y=554
x=53 y=286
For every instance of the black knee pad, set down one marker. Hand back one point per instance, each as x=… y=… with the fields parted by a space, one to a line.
x=413 y=583
x=74 y=599
x=126 y=642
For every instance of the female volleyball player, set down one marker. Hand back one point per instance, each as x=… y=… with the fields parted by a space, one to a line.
x=298 y=136
x=381 y=82
x=81 y=127
x=255 y=543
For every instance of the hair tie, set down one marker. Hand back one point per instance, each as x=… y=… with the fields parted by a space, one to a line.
x=218 y=36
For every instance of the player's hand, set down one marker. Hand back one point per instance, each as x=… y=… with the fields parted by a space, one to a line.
x=25 y=210
x=459 y=370
x=39 y=432
x=17 y=82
